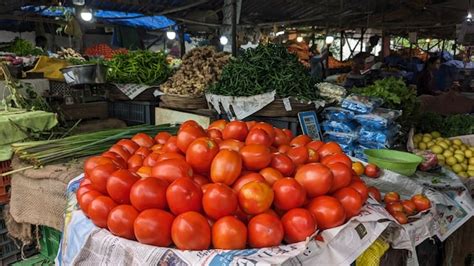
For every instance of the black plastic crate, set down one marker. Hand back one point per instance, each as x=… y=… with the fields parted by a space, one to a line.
x=133 y=112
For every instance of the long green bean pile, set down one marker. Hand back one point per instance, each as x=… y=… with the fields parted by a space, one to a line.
x=263 y=69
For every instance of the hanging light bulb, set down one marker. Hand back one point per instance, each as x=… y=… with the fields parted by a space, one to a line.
x=171 y=34
x=329 y=39
x=280 y=33
x=469 y=17
x=299 y=39
x=86 y=14
x=223 y=40
x=428 y=40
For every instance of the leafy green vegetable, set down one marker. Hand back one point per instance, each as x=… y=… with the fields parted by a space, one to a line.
x=263 y=69
x=448 y=126
x=22 y=47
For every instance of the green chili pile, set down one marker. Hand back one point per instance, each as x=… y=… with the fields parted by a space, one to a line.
x=264 y=69
x=138 y=67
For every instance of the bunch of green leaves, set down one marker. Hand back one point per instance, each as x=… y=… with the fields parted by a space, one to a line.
x=80 y=61
x=138 y=67
x=264 y=69
x=22 y=47
x=448 y=126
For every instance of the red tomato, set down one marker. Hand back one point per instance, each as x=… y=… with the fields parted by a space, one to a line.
x=299 y=155
x=329 y=149
x=200 y=180
x=226 y=167
x=283 y=164
x=172 y=169
x=171 y=155
x=162 y=137
x=219 y=200
x=247 y=178
x=250 y=124
x=288 y=133
x=120 y=221
x=300 y=141
x=265 y=230
x=271 y=175
x=85 y=181
x=100 y=175
x=200 y=154
x=191 y=231
x=188 y=123
x=91 y=163
x=152 y=159
x=409 y=207
x=218 y=125
x=184 y=195
x=393 y=207
x=86 y=199
x=151 y=221
x=421 y=202
x=135 y=162
x=327 y=211
x=171 y=145
x=360 y=187
x=119 y=185
x=117 y=160
x=315 y=145
x=280 y=138
x=144 y=171
x=313 y=156
x=143 y=151
x=256 y=157
x=401 y=217
x=214 y=134
x=350 y=200
x=187 y=135
x=143 y=140
x=129 y=145
x=157 y=148
x=231 y=144
x=229 y=233
x=255 y=197
x=289 y=194
x=99 y=210
x=283 y=149
x=268 y=128
x=372 y=170
x=235 y=130
x=149 y=193
x=315 y=178
x=337 y=158
x=391 y=197
x=83 y=189
x=375 y=193
x=342 y=176
x=298 y=224
x=258 y=136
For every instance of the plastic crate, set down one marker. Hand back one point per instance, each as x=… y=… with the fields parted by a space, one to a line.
x=133 y=112
x=49 y=242
x=5 y=181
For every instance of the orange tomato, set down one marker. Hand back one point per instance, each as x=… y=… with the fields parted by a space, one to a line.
x=313 y=156
x=358 y=168
x=231 y=144
x=300 y=141
x=329 y=149
x=337 y=158
x=244 y=179
x=315 y=145
x=271 y=175
x=218 y=125
x=226 y=167
x=255 y=197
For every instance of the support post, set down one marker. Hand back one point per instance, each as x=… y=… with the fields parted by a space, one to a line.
x=341 y=46
x=234 y=28
x=182 y=44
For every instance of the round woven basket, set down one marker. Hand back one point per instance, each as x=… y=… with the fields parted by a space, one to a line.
x=277 y=108
x=183 y=102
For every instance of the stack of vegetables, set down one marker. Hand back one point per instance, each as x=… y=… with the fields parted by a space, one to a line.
x=22 y=47
x=448 y=126
x=104 y=51
x=200 y=68
x=264 y=69
x=235 y=185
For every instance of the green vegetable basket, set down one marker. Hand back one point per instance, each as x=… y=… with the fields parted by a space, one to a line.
x=400 y=162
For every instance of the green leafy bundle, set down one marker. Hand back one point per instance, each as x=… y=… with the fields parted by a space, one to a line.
x=22 y=47
x=448 y=126
x=138 y=67
x=264 y=69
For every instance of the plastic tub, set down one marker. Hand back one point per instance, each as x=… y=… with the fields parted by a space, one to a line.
x=400 y=162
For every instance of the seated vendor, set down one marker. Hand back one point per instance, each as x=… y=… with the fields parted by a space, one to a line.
x=426 y=82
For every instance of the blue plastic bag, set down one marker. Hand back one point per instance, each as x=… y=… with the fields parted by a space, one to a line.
x=339 y=137
x=380 y=118
x=359 y=152
x=361 y=104
x=338 y=114
x=337 y=126
x=384 y=137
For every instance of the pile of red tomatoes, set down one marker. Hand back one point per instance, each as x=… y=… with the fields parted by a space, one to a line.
x=232 y=186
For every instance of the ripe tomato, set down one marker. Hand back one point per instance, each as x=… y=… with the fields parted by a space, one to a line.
x=99 y=210
x=151 y=221
x=401 y=217
x=315 y=145
x=299 y=155
x=214 y=134
x=171 y=145
x=283 y=164
x=267 y=127
x=421 y=202
x=350 y=200
x=327 y=211
x=143 y=140
x=298 y=224
x=300 y=141
x=229 y=233
x=337 y=158
x=315 y=178
x=188 y=123
x=258 y=136
x=231 y=144
x=119 y=185
x=289 y=194
x=409 y=207
x=391 y=197
x=393 y=207
x=200 y=154
x=85 y=200
x=235 y=130
x=149 y=193
x=144 y=152
x=120 y=221
x=271 y=175
x=218 y=125
x=162 y=137
x=244 y=179
x=152 y=159
x=144 y=171
x=250 y=124
x=135 y=162
x=171 y=155
x=100 y=175
x=117 y=160
x=219 y=200
x=255 y=197
x=184 y=195
x=360 y=187
x=372 y=170
x=130 y=145
x=342 y=176
x=157 y=148
x=358 y=168
x=191 y=231
x=280 y=138
x=172 y=169
x=256 y=157
x=329 y=148
x=265 y=230
x=83 y=189
x=283 y=149
x=288 y=133
x=375 y=193
x=187 y=135
x=226 y=167
x=200 y=180
x=313 y=156
x=91 y=163
x=85 y=181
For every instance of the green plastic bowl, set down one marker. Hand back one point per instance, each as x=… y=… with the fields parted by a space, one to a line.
x=397 y=161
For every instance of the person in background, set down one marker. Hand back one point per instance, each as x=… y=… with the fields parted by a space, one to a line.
x=426 y=82
x=41 y=42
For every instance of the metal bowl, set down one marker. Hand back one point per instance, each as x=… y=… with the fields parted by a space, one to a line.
x=84 y=74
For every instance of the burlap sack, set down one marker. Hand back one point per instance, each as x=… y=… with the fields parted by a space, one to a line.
x=38 y=195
